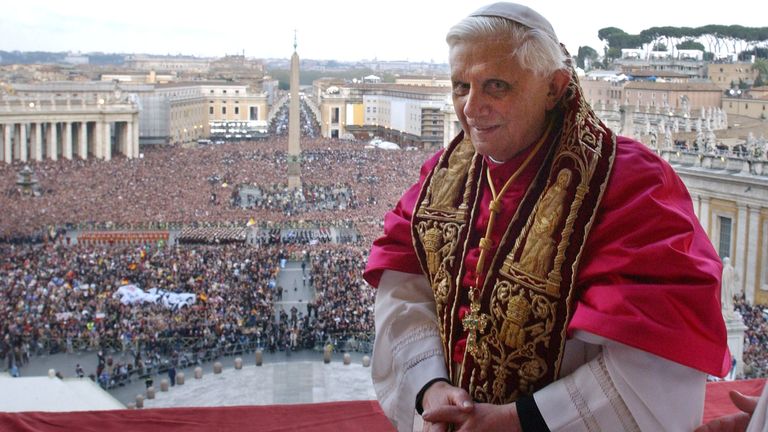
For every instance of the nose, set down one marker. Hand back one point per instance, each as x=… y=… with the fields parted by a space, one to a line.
x=475 y=103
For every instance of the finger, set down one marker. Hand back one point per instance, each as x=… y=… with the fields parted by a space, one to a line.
x=460 y=398
x=730 y=423
x=434 y=427
x=743 y=402
x=445 y=414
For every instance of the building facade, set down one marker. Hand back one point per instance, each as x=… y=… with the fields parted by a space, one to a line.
x=168 y=63
x=406 y=114
x=728 y=75
x=674 y=95
x=730 y=198
x=172 y=113
x=752 y=108
x=65 y=127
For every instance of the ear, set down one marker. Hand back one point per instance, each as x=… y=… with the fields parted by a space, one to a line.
x=557 y=84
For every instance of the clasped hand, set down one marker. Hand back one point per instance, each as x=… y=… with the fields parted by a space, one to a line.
x=446 y=405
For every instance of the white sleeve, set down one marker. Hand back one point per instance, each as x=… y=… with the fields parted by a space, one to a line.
x=407 y=352
x=759 y=421
x=624 y=389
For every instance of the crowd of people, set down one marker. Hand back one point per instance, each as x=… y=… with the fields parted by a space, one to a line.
x=173 y=186
x=56 y=297
x=59 y=298
x=295 y=201
x=755 y=338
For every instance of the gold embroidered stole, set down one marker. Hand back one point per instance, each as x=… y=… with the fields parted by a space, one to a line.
x=527 y=297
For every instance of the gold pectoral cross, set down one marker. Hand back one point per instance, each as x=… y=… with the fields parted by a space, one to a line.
x=474 y=322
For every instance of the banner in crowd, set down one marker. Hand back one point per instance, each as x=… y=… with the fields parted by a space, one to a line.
x=131 y=295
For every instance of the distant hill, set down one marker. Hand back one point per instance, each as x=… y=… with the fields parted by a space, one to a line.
x=44 y=57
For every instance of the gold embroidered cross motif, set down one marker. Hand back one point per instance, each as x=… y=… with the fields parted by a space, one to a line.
x=474 y=322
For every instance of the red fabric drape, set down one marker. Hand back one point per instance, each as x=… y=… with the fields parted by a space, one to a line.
x=331 y=417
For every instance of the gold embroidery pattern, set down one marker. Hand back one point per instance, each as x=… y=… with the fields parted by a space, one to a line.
x=448 y=181
x=540 y=246
x=439 y=224
x=522 y=320
x=440 y=241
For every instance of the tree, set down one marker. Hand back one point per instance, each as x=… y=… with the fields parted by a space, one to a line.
x=761 y=66
x=586 y=55
x=618 y=39
x=690 y=44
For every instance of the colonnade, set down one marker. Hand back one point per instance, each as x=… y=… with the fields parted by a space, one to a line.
x=38 y=140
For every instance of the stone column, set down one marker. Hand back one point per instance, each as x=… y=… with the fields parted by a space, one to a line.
x=16 y=132
x=735 y=327
x=3 y=141
x=129 y=140
x=82 y=144
x=751 y=266
x=696 y=201
x=37 y=141
x=704 y=216
x=107 y=141
x=67 y=140
x=739 y=258
x=8 y=134
x=121 y=136
x=98 y=135
x=53 y=144
x=23 y=153
x=135 y=139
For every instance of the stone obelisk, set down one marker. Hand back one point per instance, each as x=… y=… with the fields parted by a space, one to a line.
x=294 y=121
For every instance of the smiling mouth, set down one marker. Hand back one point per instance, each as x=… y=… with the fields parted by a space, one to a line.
x=483 y=129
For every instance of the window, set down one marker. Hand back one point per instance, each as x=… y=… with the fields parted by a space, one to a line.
x=224 y=110
x=237 y=110
x=224 y=91
x=724 y=242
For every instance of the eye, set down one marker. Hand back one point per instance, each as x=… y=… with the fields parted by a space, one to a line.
x=496 y=87
x=460 y=89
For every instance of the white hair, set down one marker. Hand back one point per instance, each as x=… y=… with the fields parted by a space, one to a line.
x=535 y=49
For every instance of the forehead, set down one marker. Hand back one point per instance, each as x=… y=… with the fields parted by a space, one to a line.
x=483 y=56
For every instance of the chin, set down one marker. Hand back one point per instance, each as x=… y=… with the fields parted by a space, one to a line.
x=482 y=148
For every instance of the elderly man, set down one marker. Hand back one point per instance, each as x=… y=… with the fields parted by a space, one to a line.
x=544 y=273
